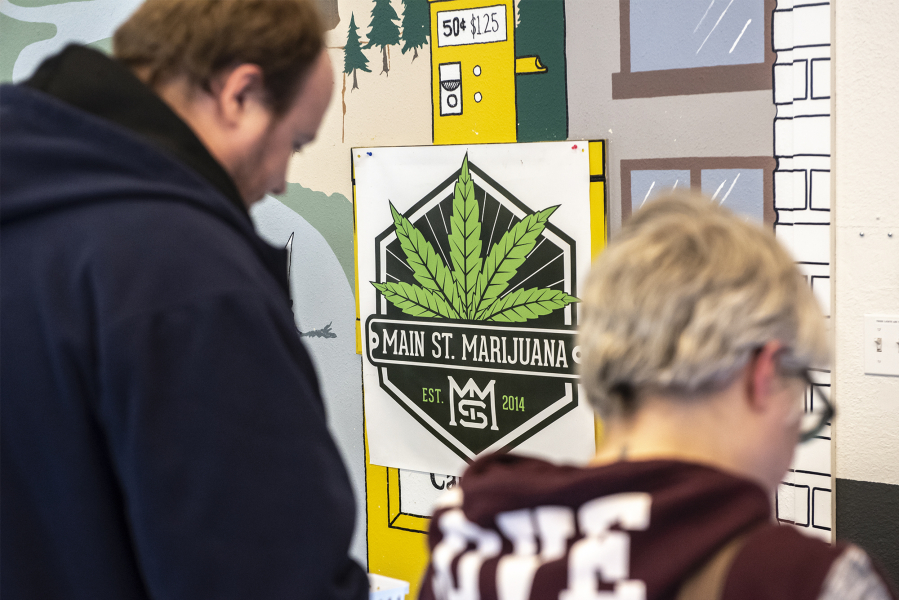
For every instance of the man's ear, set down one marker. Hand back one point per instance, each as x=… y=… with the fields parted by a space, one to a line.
x=237 y=91
x=761 y=373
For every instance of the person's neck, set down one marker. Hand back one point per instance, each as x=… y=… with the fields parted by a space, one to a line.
x=702 y=430
x=195 y=109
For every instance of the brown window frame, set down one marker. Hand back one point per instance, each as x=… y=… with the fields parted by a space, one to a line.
x=697 y=80
x=697 y=164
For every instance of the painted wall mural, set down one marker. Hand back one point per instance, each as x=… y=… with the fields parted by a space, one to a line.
x=734 y=102
x=801 y=92
x=724 y=104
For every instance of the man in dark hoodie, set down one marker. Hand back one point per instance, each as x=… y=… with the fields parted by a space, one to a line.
x=697 y=337
x=163 y=433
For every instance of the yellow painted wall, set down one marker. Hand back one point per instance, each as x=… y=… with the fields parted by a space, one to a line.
x=493 y=119
x=397 y=544
x=599 y=212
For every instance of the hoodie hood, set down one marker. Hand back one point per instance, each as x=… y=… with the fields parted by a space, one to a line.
x=56 y=156
x=101 y=86
x=692 y=511
x=693 y=493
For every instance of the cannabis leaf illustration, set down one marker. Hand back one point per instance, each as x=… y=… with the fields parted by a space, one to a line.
x=506 y=256
x=427 y=267
x=522 y=305
x=414 y=300
x=474 y=288
x=465 y=241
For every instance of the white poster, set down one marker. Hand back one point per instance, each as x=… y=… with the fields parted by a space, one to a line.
x=470 y=262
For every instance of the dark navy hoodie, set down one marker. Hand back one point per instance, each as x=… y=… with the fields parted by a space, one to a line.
x=163 y=433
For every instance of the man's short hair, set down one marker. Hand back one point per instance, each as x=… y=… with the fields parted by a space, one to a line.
x=200 y=39
x=682 y=298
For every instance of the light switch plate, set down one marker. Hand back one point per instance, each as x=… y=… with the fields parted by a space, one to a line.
x=882 y=345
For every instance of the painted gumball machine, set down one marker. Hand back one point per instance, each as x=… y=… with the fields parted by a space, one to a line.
x=473 y=68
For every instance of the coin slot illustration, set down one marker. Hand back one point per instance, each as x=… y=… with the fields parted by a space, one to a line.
x=450 y=89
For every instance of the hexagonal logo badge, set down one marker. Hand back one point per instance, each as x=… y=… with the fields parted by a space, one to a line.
x=474 y=329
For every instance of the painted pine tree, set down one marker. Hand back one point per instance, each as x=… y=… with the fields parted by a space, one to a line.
x=383 y=31
x=353 y=58
x=416 y=25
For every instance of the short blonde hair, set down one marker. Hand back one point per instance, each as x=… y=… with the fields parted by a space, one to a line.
x=682 y=298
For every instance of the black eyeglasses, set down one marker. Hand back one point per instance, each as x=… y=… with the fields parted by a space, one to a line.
x=817 y=412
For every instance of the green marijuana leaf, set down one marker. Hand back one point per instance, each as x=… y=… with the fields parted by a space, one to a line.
x=472 y=289
x=427 y=267
x=522 y=305
x=414 y=300
x=465 y=242
x=507 y=256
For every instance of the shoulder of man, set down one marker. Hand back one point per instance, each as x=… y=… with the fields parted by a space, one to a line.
x=780 y=563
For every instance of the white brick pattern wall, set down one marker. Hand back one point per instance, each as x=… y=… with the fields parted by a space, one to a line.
x=802 y=90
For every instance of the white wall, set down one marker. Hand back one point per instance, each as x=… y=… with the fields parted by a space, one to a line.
x=866 y=200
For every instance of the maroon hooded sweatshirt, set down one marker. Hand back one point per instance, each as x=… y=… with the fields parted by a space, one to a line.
x=522 y=528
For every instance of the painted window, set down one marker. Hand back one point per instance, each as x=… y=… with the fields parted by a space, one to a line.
x=697 y=33
x=742 y=184
x=740 y=190
x=648 y=184
x=693 y=47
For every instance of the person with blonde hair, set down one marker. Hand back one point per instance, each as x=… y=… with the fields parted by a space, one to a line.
x=698 y=338
x=163 y=430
